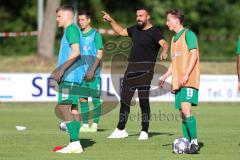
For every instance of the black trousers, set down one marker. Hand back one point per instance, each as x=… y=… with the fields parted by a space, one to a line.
x=132 y=81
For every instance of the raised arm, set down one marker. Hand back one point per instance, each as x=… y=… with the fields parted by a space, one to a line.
x=115 y=26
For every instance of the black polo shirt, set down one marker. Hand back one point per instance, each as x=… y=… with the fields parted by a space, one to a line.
x=145 y=46
x=145 y=43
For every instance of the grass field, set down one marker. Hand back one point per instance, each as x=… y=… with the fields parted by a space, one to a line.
x=218 y=134
x=38 y=64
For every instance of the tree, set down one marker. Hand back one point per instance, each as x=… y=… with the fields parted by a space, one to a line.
x=47 y=36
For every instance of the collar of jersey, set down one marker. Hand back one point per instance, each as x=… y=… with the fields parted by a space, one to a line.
x=176 y=36
x=88 y=33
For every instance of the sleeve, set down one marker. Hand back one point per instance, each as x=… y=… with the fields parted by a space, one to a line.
x=130 y=30
x=158 y=35
x=73 y=35
x=98 y=41
x=191 y=40
x=238 y=46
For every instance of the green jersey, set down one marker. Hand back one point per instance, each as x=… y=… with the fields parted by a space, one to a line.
x=238 y=46
x=97 y=39
x=191 y=38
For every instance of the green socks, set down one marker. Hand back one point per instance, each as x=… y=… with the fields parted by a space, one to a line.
x=73 y=130
x=77 y=126
x=185 y=131
x=191 y=125
x=84 y=111
x=97 y=109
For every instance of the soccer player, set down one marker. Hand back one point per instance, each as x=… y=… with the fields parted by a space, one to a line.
x=147 y=40
x=92 y=52
x=69 y=76
x=185 y=72
x=238 y=63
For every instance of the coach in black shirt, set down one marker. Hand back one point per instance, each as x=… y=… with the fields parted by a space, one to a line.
x=147 y=40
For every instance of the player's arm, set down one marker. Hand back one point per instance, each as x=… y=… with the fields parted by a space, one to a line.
x=165 y=76
x=99 y=47
x=75 y=53
x=115 y=26
x=238 y=72
x=96 y=63
x=191 y=40
x=165 y=47
x=192 y=63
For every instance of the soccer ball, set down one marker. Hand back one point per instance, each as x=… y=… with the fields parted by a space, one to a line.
x=180 y=146
x=62 y=126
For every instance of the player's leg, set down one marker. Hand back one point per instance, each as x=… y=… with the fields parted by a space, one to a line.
x=178 y=99
x=143 y=94
x=95 y=91
x=85 y=114
x=83 y=101
x=66 y=101
x=126 y=96
x=73 y=130
x=189 y=97
x=75 y=113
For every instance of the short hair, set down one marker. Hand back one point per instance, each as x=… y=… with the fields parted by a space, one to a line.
x=85 y=13
x=66 y=8
x=177 y=13
x=143 y=8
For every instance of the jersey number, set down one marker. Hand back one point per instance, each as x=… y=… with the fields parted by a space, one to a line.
x=189 y=92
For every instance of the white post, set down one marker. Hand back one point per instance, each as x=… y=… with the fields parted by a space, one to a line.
x=40 y=16
x=74 y=3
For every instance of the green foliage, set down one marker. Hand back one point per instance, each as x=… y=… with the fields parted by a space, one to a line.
x=17 y=16
x=18 y=46
x=217 y=19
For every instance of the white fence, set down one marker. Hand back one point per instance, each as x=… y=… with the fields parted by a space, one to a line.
x=35 y=87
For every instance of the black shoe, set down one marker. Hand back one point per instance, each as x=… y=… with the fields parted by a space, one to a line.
x=194 y=148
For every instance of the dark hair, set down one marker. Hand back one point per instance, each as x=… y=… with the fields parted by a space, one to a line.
x=143 y=8
x=177 y=13
x=66 y=8
x=85 y=13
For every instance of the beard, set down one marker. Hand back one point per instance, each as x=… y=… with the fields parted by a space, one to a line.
x=141 y=24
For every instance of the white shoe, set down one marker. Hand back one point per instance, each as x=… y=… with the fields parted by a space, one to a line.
x=72 y=147
x=93 y=127
x=143 y=136
x=194 y=141
x=118 y=134
x=85 y=128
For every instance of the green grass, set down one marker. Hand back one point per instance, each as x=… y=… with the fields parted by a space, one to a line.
x=218 y=133
x=21 y=64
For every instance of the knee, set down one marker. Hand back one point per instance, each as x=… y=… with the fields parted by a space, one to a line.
x=96 y=102
x=185 y=113
x=82 y=100
x=75 y=111
x=124 y=103
x=144 y=102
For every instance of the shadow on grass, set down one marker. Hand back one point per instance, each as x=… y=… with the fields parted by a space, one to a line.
x=101 y=130
x=201 y=144
x=87 y=142
x=152 y=134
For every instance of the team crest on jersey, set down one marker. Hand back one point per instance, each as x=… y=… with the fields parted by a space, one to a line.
x=177 y=54
x=86 y=48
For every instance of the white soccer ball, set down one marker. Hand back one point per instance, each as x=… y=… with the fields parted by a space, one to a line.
x=181 y=146
x=62 y=126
